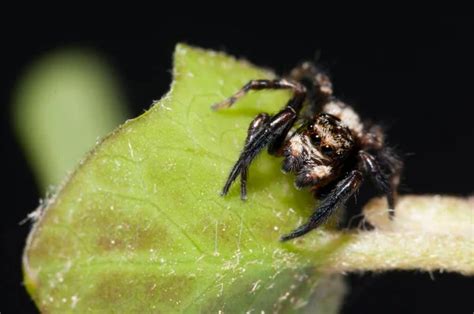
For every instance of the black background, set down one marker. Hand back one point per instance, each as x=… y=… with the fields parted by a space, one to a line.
x=413 y=74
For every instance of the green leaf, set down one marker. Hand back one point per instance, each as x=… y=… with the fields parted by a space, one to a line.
x=140 y=225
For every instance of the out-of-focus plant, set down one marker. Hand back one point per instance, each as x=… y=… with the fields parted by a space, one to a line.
x=64 y=102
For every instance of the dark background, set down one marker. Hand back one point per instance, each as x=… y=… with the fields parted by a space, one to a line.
x=413 y=74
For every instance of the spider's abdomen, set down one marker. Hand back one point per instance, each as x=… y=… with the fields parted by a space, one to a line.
x=346 y=114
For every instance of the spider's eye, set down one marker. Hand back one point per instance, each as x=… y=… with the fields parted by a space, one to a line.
x=315 y=139
x=327 y=150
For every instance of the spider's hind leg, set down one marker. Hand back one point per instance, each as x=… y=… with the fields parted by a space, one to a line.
x=386 y=180
x=393 y=165
x=317 y=81
x=318 y=85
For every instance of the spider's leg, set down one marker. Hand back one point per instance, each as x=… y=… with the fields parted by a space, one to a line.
x=381 y=180
x=298 y=89
x=255 y=126
x=276 y=145
x=243 y=183
x=338 y=196
x=321 y=99
x=268 y=130
x=392 y=164
x=305 y=71
x=317 y=83
x=267 y=134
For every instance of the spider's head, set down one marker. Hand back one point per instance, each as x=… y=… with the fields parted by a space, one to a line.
x=317 y=148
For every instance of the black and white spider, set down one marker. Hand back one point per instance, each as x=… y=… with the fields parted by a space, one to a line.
x=326 y=145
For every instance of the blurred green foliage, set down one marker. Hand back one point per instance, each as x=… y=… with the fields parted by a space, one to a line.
x=64 y=102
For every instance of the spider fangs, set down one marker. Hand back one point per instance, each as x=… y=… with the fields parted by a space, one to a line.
x=331 y=151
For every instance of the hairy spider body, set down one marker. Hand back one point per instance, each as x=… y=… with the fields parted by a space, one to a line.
x=327 y=146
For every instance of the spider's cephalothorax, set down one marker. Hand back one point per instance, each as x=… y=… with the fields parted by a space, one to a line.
x=316 y=150
x=331 y=147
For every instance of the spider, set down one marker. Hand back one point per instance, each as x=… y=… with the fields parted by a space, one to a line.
x=323 y=142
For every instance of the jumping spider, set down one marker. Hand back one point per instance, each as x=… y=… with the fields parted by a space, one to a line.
x=326 y=145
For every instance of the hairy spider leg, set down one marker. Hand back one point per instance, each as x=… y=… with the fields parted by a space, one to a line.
x=272 y=132
x=338 y=196
x=393 y=166
x=262 y=138
x=318 y=85
x=297 y=88
x=255 y=126
x=379 y=178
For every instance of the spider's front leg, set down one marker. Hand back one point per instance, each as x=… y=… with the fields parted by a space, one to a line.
x=264 y=130
x=338 y=196
x=255 y=126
